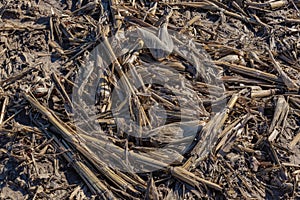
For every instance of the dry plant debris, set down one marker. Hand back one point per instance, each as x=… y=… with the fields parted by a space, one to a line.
x=248 y=139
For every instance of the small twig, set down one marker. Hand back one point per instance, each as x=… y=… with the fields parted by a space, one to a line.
x=295 y=140
x=2 y=114
x=291 y=85
x=192 y=179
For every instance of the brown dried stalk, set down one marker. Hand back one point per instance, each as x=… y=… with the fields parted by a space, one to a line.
x=190 y=178
x=76 y=140
x=291 y=85
x=280 y=114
